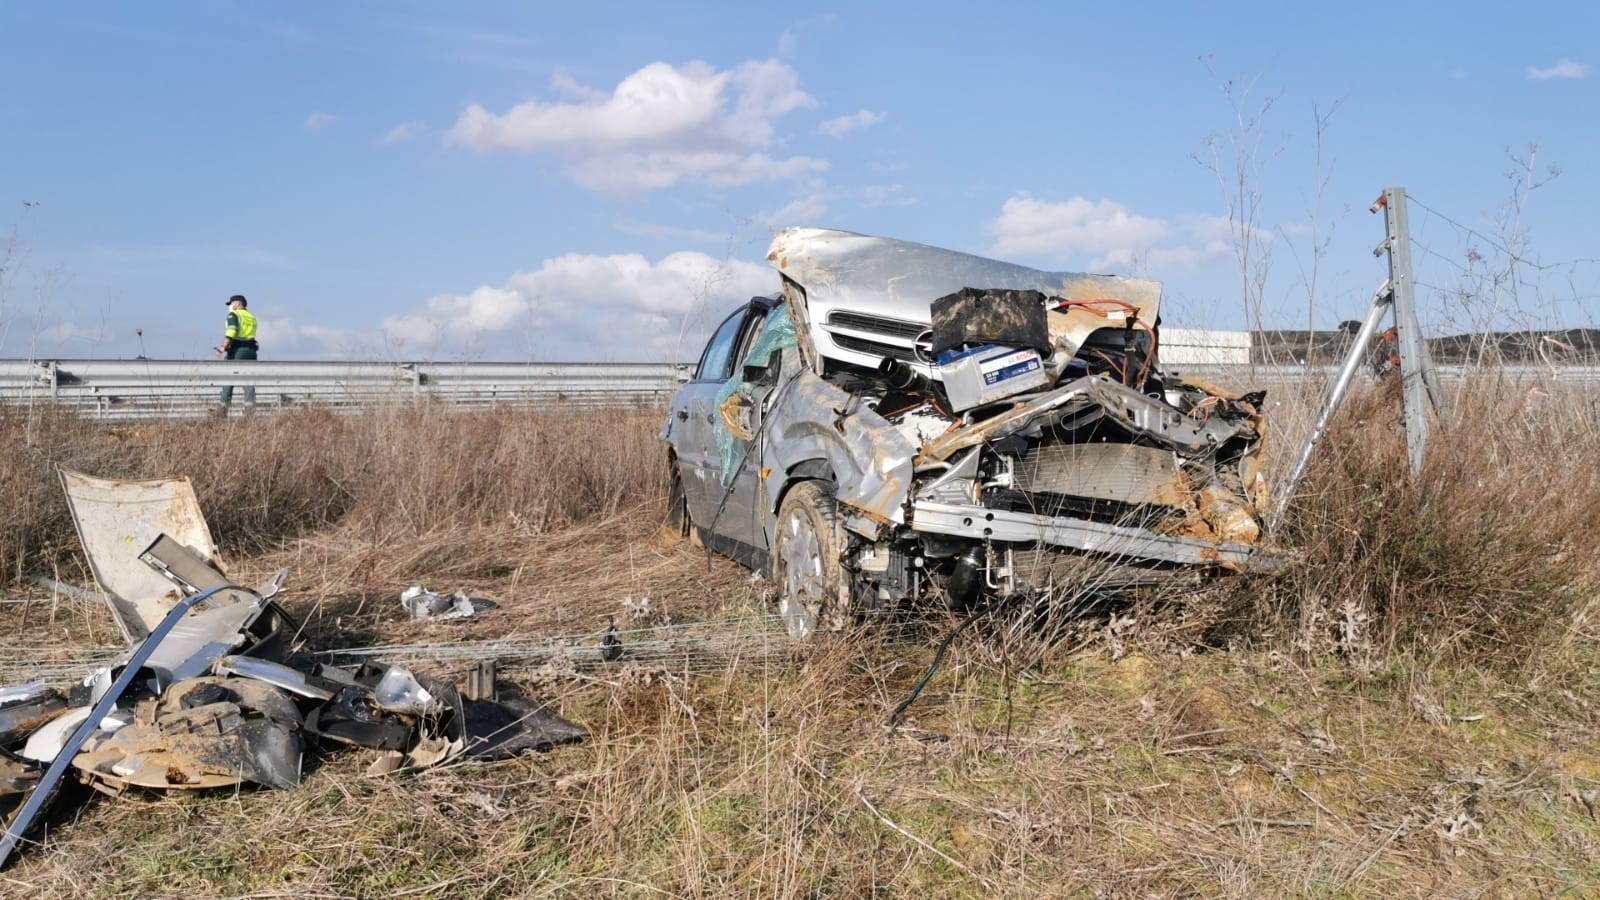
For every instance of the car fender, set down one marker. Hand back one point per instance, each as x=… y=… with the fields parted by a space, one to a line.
x=817 y=430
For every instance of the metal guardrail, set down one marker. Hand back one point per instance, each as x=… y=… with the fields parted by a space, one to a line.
x=1261 y=375
x=134 y=389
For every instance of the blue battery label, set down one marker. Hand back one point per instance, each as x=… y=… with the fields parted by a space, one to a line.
x=1002 y=368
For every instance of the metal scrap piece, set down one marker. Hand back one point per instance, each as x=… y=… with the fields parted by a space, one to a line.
x=114 y=515
x=45 y=791
x=25 y=709
x=418 y=717
x=203 y=733
x=425 y=605
x=275 y=673
x=506 y=728
x=199 y=640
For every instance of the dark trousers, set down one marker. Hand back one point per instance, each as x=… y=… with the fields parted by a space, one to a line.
x=249 y=392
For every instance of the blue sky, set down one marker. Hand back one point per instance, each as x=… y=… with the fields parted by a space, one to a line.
x=599 y=181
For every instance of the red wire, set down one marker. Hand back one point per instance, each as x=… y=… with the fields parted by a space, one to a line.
x=1092 y=305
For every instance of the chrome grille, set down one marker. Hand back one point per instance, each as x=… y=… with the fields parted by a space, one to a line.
x=894 y=328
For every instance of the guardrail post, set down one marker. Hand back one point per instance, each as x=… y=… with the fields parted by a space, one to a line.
x=49 y=376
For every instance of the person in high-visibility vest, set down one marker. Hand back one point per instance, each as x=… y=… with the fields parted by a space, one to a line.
x=238 y=342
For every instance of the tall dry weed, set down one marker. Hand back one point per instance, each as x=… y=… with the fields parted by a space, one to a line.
x=1481 y=557
x=389 y=474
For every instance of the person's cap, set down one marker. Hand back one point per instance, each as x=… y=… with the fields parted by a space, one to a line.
x=240 y=298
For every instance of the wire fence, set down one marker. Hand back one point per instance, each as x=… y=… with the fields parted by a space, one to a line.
x=682 y=648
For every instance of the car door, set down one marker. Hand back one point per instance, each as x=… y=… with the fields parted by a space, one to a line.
x=739 y=516
x=694 y=418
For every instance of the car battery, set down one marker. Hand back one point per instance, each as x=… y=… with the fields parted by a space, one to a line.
x=989 y=372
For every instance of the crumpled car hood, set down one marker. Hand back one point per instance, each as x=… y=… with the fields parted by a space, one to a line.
x=866 y=297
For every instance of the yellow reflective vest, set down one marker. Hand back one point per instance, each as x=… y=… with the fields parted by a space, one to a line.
x=241 y=326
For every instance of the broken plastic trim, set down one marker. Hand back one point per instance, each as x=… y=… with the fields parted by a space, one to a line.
x=45 y=790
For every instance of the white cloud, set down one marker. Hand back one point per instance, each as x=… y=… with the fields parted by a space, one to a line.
x=1564 y=68
x=660 y=125
x=588 y=307
x=571 y=88
x=320 y=120
x=405 y=131
x=843 y=125
x=1105 y=236
x=1214 y=230
x=1029 y=227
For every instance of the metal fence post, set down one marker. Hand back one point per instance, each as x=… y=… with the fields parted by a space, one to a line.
x=1416 y=366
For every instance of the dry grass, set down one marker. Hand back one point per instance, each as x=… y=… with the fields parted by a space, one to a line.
x=1410 y=712
x=1485 y=558
x=391 y=475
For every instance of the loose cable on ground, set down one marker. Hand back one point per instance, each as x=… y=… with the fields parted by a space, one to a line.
x=938 y=657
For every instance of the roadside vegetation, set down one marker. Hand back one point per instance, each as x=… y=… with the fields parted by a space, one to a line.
x=1411 y=707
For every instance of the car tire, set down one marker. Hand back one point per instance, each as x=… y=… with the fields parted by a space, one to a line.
x=678 y=524
x=807 y=561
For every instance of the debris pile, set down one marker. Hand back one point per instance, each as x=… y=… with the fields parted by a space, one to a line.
x=210 y=695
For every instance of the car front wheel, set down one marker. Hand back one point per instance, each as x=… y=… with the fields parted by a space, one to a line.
x=678 y=524
x=812 y=592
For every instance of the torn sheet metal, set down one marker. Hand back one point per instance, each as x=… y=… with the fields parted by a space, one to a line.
x=205 y=636
x=869 y=456
x=512 y=726
x=26 y=708
x=205 y=732
x=1142 y=415
x=116 y=520
x=275 y=673
x=44 y=792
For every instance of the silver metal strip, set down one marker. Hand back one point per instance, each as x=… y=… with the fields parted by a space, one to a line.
x=1078 y=534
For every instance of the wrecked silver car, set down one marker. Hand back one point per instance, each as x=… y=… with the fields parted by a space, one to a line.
x=906 y=423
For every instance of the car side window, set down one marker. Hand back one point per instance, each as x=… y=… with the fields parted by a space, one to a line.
x=718 y=358
x=758 y=323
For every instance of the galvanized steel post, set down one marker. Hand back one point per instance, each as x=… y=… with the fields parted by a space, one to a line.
x=1416 y=366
